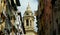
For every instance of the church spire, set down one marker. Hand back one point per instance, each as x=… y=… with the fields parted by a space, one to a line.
x=28 y=7
x=28 y=10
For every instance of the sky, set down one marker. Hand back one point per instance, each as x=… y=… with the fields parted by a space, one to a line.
x=33 y=4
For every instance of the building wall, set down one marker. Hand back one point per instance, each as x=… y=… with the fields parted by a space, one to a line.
x=2 y=26
x=30 y=33
x=2 y=6
x=48 y=16
x=44 y=17
x=56 y=16
x=39 y=16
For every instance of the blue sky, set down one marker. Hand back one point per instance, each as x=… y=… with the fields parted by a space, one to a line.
x=24 y=3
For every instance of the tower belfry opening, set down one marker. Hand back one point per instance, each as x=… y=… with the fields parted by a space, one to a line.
x=27 y=22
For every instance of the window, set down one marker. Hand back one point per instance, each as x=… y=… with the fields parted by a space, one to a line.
x=1 y=20
x=53 y=2
x=27 y=23
x=54 y=32
x=59 y=28
x=26 y=13
x=30 y=22
x=57 y=20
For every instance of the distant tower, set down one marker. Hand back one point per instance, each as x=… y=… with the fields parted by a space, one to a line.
x=28 y=20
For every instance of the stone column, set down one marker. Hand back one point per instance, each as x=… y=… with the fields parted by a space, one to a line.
x=25 y=22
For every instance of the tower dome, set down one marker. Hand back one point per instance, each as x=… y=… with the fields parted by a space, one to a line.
x=28 y=11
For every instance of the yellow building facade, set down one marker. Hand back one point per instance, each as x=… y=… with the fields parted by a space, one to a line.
x=2 y=21
x=2 y=17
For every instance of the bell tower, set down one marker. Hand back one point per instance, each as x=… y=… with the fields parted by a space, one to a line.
x=28 y=20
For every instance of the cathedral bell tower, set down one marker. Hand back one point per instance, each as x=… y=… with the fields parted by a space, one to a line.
x=28 y=20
